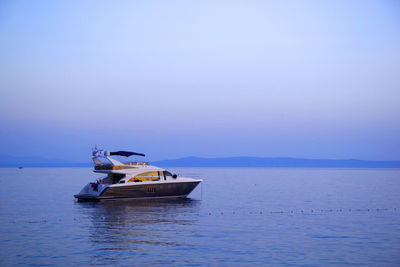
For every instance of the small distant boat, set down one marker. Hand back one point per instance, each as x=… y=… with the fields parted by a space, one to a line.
x=133 y=180
x=20 y=167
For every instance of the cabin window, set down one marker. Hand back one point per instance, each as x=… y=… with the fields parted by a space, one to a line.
x=146 y=176
x=113 y=178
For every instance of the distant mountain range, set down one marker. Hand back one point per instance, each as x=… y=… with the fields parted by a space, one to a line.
x=275 y=162
x=10 y=161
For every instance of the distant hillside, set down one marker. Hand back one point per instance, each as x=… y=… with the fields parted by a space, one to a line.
x=275 y=162
x=11 y=161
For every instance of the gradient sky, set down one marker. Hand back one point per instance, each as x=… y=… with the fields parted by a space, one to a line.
x=312 y=79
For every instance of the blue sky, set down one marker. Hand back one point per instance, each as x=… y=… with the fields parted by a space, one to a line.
x=313 y=79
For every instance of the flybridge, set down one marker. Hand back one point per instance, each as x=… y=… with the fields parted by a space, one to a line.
x=114 y=164
x=105 y=153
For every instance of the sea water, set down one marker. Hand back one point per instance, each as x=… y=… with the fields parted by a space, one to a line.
x=237 y=217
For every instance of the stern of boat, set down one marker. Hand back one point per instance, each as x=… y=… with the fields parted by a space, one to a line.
x=90 y=192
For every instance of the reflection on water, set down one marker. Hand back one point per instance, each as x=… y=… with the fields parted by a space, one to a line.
x=138 y=225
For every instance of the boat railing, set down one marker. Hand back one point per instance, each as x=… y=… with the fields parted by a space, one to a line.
x=128 y=165
x=136 y=163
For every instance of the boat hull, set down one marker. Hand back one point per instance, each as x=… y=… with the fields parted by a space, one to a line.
x=143 y=191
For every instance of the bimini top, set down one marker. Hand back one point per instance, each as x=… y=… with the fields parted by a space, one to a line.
x=126 y=153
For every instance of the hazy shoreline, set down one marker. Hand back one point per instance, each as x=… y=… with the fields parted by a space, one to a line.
x=262 y=162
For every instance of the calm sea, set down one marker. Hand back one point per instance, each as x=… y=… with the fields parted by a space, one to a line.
x=239 y=217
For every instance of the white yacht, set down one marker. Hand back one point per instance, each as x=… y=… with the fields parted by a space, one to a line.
x=136 y=180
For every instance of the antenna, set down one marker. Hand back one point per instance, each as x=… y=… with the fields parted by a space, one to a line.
x=96 y=152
